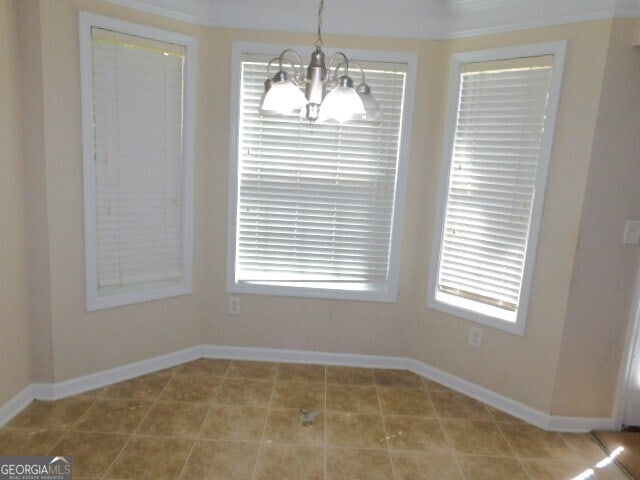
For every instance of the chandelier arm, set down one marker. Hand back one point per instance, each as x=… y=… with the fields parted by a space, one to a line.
x=364 y=80
x=277 y=59
x=297 y=69
x=362 y=74
x=345 y=62
x=342 y=65
x=269 y=66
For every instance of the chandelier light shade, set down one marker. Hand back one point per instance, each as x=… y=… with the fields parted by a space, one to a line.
x=282 y=96
x=371 y=106
x=329 y=93
x=342 y=103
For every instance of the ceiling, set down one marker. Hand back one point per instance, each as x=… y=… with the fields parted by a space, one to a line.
x=432 y=19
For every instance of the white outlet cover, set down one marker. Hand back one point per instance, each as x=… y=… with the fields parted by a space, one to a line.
x=632 y=232
x=233 y=305
x=475 y=337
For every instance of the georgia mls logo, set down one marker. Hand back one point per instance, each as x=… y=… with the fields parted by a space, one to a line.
x=60 y=466
x=35 y=468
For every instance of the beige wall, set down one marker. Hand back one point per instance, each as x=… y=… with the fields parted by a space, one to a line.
x=15 y=342
x=84 y=342
x=522 y=368
x=37 y=222
x=604 y=277
x=313 y=324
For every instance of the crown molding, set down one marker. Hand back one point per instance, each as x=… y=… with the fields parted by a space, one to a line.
x=441 y=19
x=627 y=8
x=192 y=11
x=526 y=14
x=435 y=19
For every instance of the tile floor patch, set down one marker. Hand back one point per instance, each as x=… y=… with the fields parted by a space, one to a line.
x=404 y=401
x=151 y=458
x=92 y=453
x=113 y=415
x=292 y=372
x=352 y=398
x=476 y=438
x=349 y=376
x=309 y=396
x=28 y=441
x=58 y=415
x=355 y=430
x=415 y=433
x=424 y=466
x=287 y=462
x=235 y=420
x=243 y=391
x=356 y=464
x=221 y=460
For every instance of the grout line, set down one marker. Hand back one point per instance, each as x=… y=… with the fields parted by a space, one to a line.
x=325 y=419
x=516 y=457
x=444 y=434
x=206 y=417
x=155 y=401
x=605 y=451
x=571 y=447
x=384 y=427
x=325 y=442
x=266 y=421
x=70 y=428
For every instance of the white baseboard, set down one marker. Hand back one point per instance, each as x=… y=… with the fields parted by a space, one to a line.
x=512 y=407
x=303 y=356
x=54 y=391
x=507 y=405
x=15 y=405
x=579 y=424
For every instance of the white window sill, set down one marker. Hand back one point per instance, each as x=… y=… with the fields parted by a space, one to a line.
x=118 y=297
x=477 y=312
x=368 y=292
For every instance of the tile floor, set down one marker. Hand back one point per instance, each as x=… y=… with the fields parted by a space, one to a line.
x=238 y=420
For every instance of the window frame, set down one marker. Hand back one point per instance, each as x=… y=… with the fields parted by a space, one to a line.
x=458 y=306
x=94 y=300
x=388 y=292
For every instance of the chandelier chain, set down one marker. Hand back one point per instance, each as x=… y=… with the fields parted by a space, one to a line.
x=319 y=43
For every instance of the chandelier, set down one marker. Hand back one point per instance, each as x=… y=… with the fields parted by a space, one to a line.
x=283 y=91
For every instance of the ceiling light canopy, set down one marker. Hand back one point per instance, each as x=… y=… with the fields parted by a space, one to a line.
x=283 y=92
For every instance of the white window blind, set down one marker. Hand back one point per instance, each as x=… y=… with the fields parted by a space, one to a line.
x=316 y=201
x=492 y=184
x=136 y=164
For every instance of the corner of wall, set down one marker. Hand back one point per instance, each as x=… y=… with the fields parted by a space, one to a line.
x=37 y=231
x=602 y=287
x=15 y=340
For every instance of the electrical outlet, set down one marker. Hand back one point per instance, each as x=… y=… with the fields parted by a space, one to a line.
x=632 y=233
x=233 y=306
x=475 y=337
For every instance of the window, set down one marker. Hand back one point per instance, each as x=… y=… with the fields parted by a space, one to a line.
x=316 y=208
x=502 y=115
x=137 y=101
